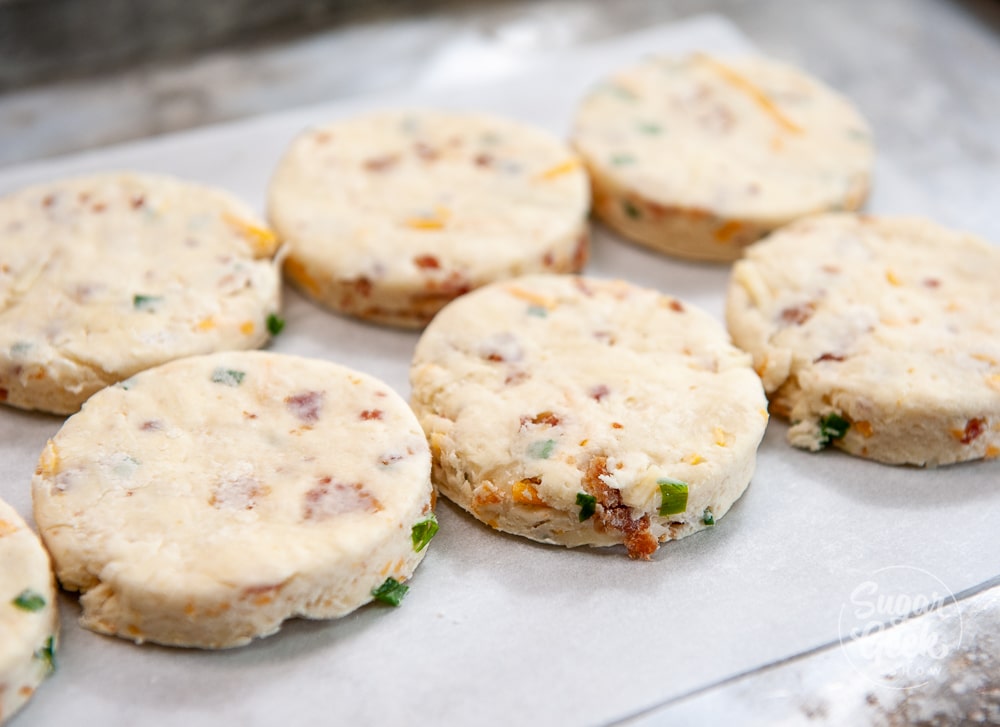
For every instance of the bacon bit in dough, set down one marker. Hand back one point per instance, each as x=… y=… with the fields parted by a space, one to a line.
x=48 y=201
x=516 y=377
x=797 y=314
x=558 y=170
x=676 y=306
x=581 y=253
x=932 y=282
x=757 y=95
x=238 y=492
x=329 y=498
x=864 y=428
x=425 y=152
x=524 y=492
x=306 y=406
x=973 y=428
x=483 y=160
x=427 y=262
x=831 y=269
x=4 y=394
x=545 y=417
x=599 y=392
x=138 y=201
x=153 y=425
x=617 y=425
x=382 y=163
x=369 y=414
x=261 y=239
x=613 y=514
x=828 y=357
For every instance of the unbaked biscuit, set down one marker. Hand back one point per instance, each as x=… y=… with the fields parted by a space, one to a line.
x=392 y=214
x=587 y=412
x=700 y=156
x=203 y=502
x=878 y=336
x=29 y=617
x=107 y=275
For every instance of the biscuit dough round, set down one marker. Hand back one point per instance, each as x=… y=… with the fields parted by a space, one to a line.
x=29 y=616
x=203 y=502
x=107 y=275
x=877 y=335
x=392 y=214
x=541 y=393
x=700 y=156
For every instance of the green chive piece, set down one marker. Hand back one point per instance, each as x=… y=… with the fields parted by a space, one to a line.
x=275 y=324
x=707 y=517
x=20 y=348
x=620 y=160
x=390 y=592
x=588 y=505
x=649 y=128
x=674 y=495
x=29 y=600
x=832 y=426
x=422 y=532
x=48 y=654
x=228 y=377
x=537 y=311
x=541 y=450
x=631 y=210
x=146 y=302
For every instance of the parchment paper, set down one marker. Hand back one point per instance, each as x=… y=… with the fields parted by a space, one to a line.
x=498 y=630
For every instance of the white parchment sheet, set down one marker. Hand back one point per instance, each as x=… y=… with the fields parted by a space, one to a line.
x=495 y=629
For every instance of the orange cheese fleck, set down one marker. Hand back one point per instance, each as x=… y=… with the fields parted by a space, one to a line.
x=524 y=493
x=892 y=278
x=756 y=94
x=261 y=239
x=533 y=298
x=728 y=231
x=205 y=324
x=48 y=463
x=993 y=381
x=247 y=328
x=694 y=458
x=297 y=272
x=558 y=170
x=992 y=452
x=864 y=428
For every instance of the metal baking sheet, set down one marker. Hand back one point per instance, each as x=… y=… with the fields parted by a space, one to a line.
x=499 y=630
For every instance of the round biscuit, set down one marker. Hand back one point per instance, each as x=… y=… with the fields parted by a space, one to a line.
x=876 y=335
x=580 y=411
x=698 y=156
x=392 y=214
x=107 y=275
x=29 y=615
x=203 y=502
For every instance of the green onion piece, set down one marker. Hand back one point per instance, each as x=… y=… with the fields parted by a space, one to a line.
x=631 y=210
x=674 y=494
x=275 y=324
x=832 y=426
x=649 y=128
x=422 y=532
x=228 y=377
x=146 y=302
x=48 y=654
x=707 y=517
x=537 y=311
x=588 y=505
x=620 y=160
x=541 y=450
x=29 y=600
x=391 y=592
